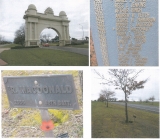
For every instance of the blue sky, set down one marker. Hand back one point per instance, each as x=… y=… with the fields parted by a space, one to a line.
x=12 y=12
x=151 y=88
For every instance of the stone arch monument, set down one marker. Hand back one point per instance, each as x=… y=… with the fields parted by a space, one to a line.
x=35 y=22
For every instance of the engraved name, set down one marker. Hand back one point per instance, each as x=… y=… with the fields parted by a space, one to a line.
x=131 y=27
x=55 y=89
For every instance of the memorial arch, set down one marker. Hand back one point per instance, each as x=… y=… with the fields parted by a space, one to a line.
x=35 y=23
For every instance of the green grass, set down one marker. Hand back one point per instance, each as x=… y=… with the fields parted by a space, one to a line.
x=110 y=122
x=10 y=45
x=78 y=46
x=144 y=103
x=42 y=57
x=71 y=45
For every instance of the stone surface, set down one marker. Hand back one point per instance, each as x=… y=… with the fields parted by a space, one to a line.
x=41 y=92
x=35 y=23
x=125 y=32
x=93 y=59
x=24 y=123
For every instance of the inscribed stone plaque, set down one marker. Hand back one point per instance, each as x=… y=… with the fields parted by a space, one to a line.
x=125 y=32
x=52 y=91
x=33 y=43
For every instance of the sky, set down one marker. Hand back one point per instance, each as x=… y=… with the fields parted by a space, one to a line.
x=12 y=12
x=151 y=88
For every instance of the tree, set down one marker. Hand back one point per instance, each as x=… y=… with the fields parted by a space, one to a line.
x=107 y=95
x=56 y=38
x=20 y=35
x=1 y=39
x=146 y=100
x=101 y=97
x=125 y=80
x=87 y=38
x=115 y=99
x=152 y=98
x=45 y=37
x=140 y=100
x=74 y=39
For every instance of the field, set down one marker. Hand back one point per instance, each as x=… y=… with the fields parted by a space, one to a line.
x=78 y=46
x=42 y=57
x=9 y=45
x=86 y=45
x=146 y=103
x=110 y=122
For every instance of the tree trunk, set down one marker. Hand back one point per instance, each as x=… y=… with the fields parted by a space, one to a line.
x=126 y=111
x=107 y=103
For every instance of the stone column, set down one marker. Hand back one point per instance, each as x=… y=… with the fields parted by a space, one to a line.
x=67 y=32
x=64 y=33
x=30 y=31
x=35 y=31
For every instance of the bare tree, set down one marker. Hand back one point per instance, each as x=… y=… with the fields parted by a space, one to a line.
x=107 y=94
x=45 y=37
x=20 y=35
x=125 y=80
x=1 y=39
x=101 y=97
x=152 y=98
x=140 y=100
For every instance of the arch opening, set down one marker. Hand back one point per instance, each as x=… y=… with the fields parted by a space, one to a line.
x=49 y=37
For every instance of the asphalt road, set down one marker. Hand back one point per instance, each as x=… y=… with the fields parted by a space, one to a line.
x=142 y=107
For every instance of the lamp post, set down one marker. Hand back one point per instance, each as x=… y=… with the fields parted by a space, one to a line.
x=82 y=31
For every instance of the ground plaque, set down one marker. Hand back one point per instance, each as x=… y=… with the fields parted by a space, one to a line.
x=125 y=32
x=42 y=92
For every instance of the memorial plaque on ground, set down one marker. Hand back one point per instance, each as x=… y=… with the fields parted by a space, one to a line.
x=42 y=92
x=125 y=32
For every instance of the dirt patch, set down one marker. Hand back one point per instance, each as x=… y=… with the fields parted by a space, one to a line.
x=2 y=63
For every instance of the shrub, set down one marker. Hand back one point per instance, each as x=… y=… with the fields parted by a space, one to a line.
x=78 y=42
x=22 y=47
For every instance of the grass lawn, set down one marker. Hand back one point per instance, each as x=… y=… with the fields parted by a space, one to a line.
x=78 y=46
x=71 y=45
x=145 y=103
x=10 y=45
x=42 y=57
x=110 y=122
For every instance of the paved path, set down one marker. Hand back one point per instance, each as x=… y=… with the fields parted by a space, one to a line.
x=2 y=49
x=142 y=107
x=2 y=45
x=3 y=63
x=82 y=51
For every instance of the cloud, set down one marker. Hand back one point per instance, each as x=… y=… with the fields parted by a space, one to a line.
x=12 y=13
